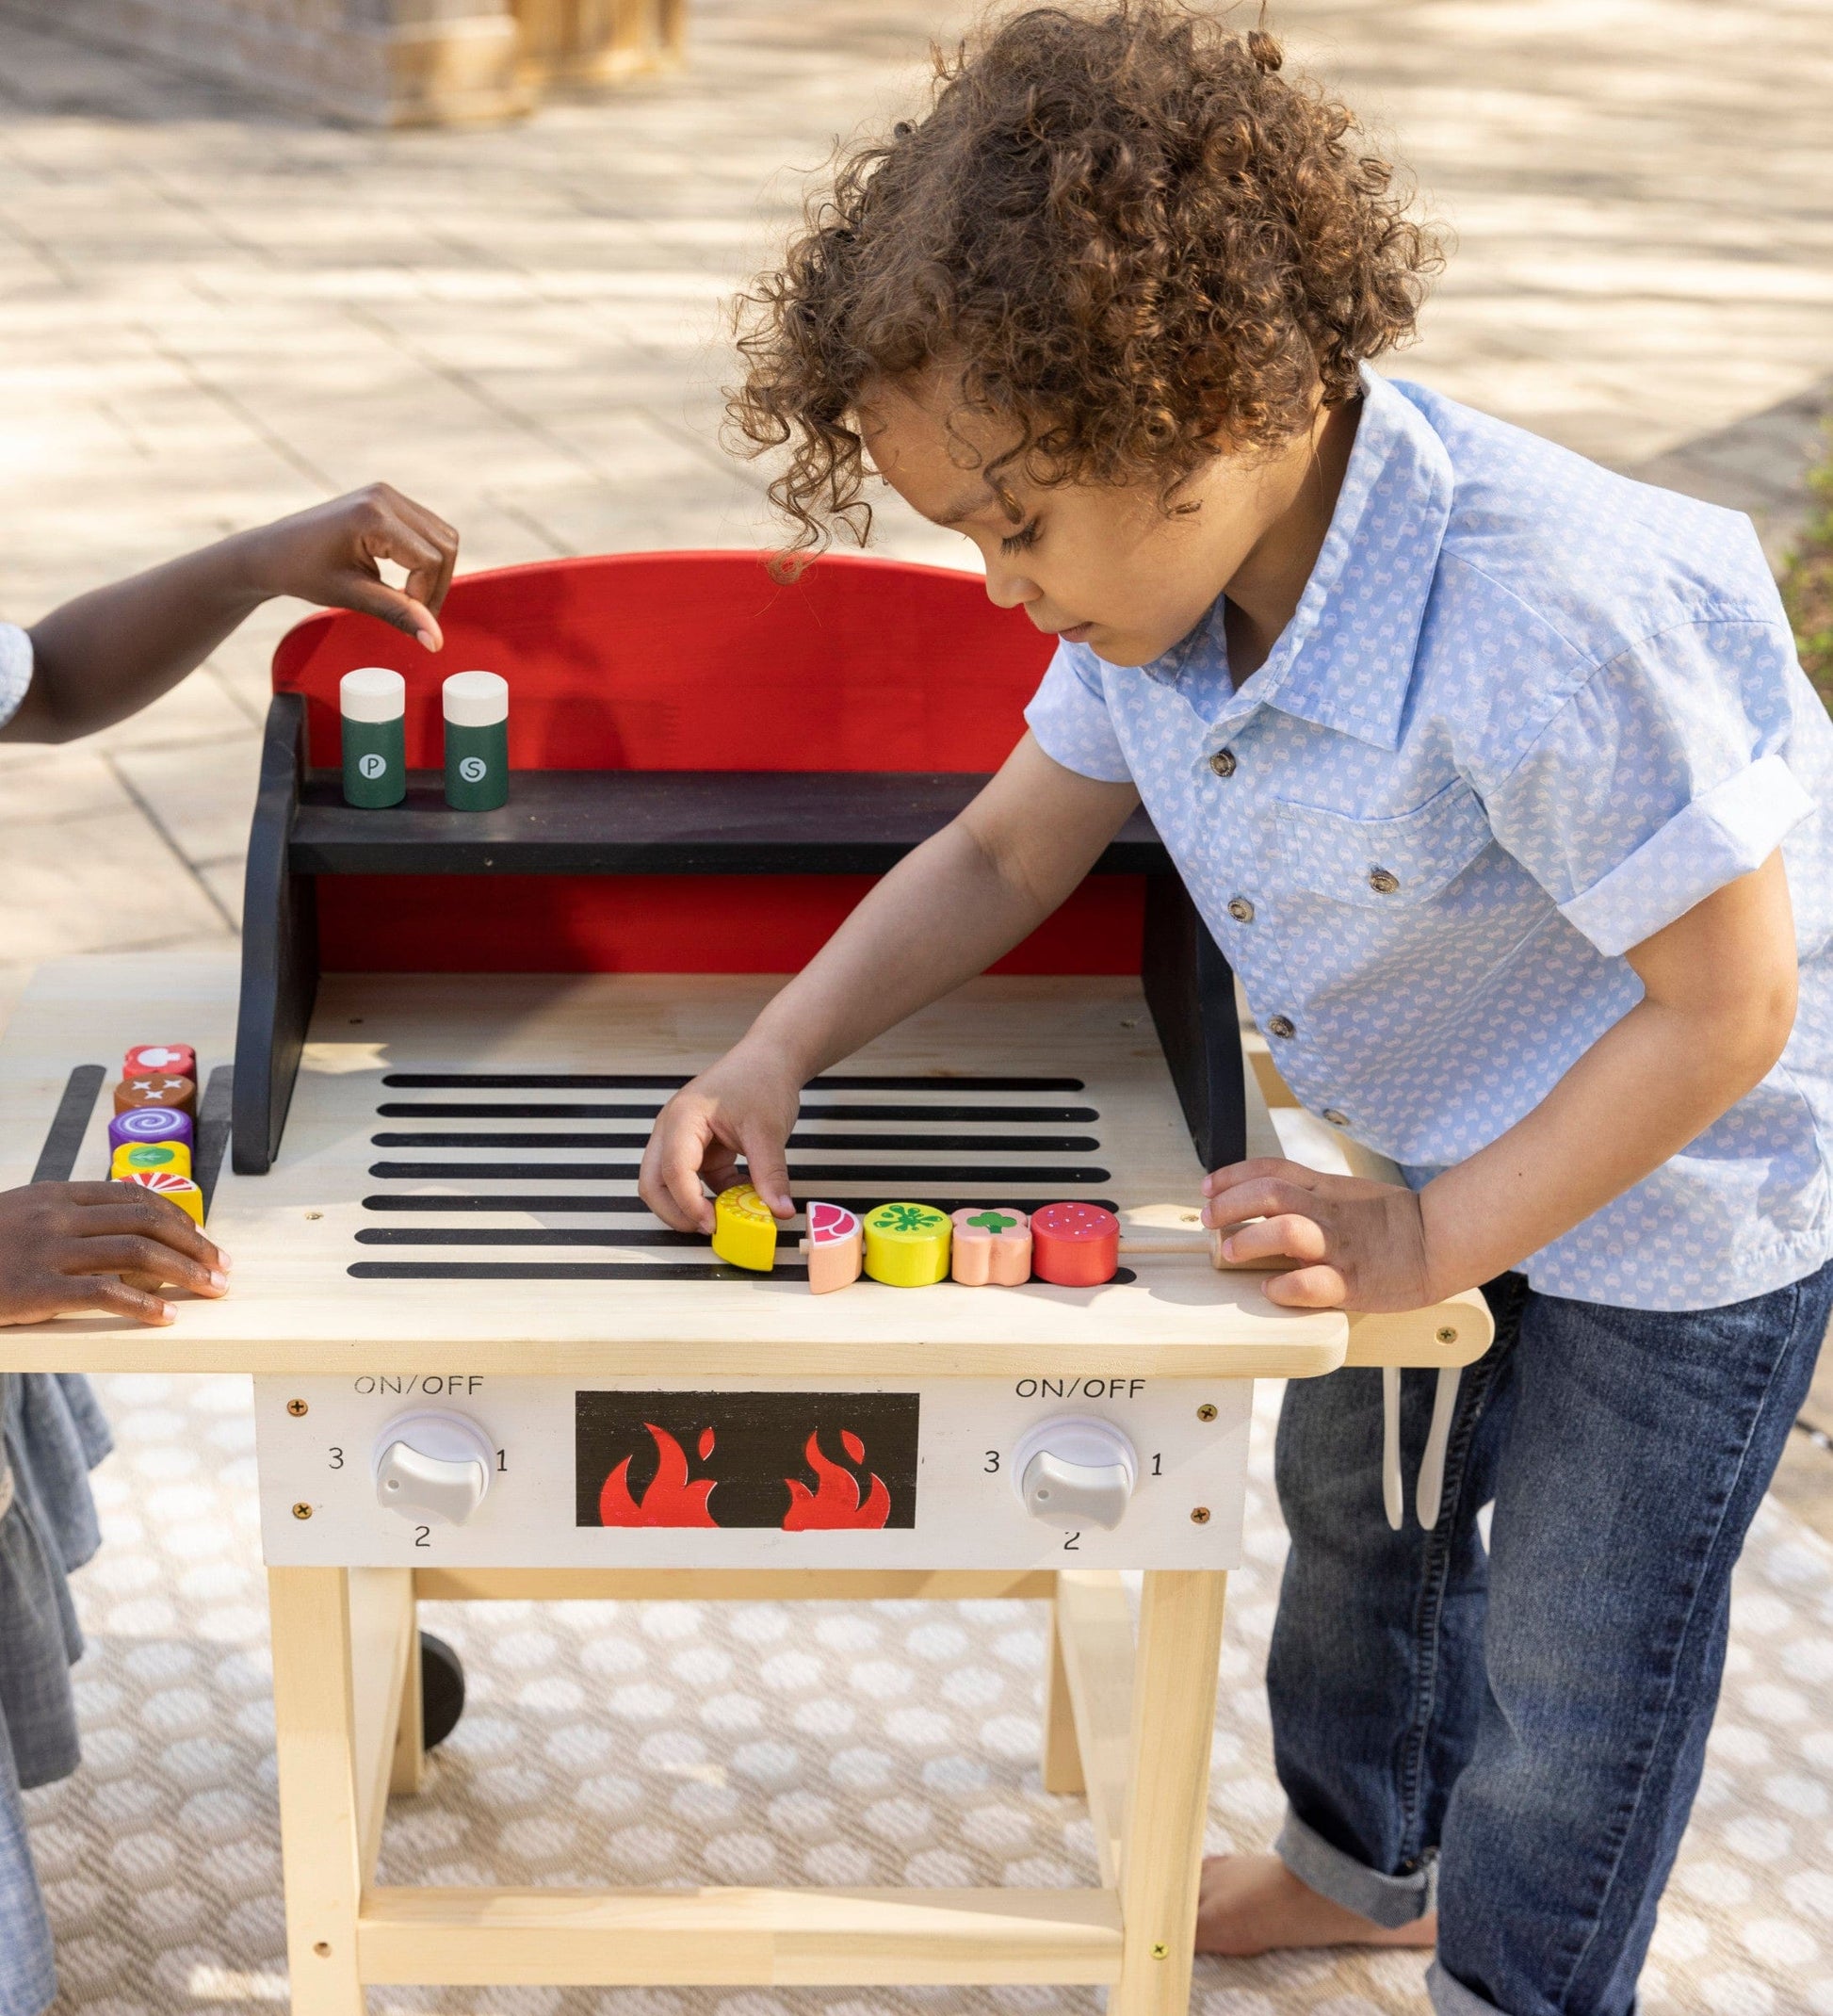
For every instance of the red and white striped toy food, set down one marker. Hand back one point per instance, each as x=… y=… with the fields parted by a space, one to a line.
x=179 y=1190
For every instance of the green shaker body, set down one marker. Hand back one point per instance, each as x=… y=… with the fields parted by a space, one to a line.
x=476 y=765
x=375 y=762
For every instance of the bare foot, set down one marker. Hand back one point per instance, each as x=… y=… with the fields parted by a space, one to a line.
x=1253 y=1903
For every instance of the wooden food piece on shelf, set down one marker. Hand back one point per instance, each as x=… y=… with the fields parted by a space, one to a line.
x=992 y=1247
x=835 y=1246
x=744 y=1233
x=907 y=1244
x=174 y=1156
x=1075 y=1245
x=171 y=1060
x=179 y=1190
x=151 y=1123
x=157 y=1088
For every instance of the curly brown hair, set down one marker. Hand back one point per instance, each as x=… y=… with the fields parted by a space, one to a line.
x=1122 y=227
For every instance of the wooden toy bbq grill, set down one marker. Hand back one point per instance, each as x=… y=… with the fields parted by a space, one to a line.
x=453 y=1032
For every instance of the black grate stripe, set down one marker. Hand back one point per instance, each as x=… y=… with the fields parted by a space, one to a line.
x=535 y=1201
x=893 y=1144
x=557 y=1235
x=214 y=1112
x=883 y=1176
x=63 y=1138
x=638 y=1081
x=631 y=1271
x=649 y=1108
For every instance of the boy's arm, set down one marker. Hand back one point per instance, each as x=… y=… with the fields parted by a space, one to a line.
x=1718 y=1005
x=947 y=910
x=110 y=652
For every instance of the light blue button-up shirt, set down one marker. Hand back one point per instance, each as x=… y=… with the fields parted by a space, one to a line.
x=1527 y=713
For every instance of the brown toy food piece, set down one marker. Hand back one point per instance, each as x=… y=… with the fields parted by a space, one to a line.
x=158 y=1088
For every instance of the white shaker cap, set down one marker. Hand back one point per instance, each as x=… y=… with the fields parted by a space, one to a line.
x=476 y=699
x=372 y=693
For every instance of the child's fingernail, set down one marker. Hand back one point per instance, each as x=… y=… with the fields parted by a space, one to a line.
x=218 y=1278
x=1228 y=1249
x=224 y=1262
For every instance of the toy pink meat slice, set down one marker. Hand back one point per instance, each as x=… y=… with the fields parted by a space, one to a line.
x=991 y=1247
x=835 y=1246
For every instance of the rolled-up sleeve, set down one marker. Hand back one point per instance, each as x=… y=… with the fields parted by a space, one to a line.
x=1069 y=717
x=1663 y=777
x=15 y=669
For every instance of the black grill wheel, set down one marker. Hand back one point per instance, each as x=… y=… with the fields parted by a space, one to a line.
x=441 y=1690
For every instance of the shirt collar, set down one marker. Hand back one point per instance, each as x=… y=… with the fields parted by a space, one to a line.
x=1345 y=660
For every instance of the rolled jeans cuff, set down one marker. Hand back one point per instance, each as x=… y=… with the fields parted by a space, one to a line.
x=1450 y=1997
x=1387 y=1900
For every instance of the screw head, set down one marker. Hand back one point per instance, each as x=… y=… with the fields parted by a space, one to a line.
x=1159 y=1950
x=301 y=1510
x=1206 y=1412
x=1445 y=1334
x=314 y=1214
x=297 y=1407
x=1199 y=1515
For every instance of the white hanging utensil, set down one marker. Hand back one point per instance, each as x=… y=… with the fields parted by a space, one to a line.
x=1393 y=1495
x=1431 y=1465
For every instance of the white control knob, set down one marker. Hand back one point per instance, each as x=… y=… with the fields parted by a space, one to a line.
x=433 y=1467
x=1075 y=1471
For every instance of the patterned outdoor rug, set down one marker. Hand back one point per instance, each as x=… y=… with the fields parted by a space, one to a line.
x=763 y=1743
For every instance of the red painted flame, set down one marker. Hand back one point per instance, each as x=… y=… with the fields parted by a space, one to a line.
x=837 y=1503
x=671 y=1500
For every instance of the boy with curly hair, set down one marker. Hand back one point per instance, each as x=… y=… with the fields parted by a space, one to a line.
x=1496 y=778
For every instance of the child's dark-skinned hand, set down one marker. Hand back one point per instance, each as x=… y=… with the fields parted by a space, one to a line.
x=107 y=1247
x=1357 y=1245
x=107 y=654
x=332 y=554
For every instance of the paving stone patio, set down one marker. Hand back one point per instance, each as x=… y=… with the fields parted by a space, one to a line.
x=211 y=313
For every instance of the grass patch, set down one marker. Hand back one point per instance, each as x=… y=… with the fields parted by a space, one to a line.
x=1808 y=584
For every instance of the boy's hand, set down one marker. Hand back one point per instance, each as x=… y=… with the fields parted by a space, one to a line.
x=331 y=554
x=1360 y=1245
x=744 y=1106
x=103 y=1246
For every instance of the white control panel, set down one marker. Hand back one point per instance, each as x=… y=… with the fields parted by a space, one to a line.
x=464 y=1470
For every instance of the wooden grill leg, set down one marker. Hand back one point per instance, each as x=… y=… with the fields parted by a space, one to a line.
x=1061 y=1762
x=314 y=1729
x=407 y=1773
x=1168 y=1788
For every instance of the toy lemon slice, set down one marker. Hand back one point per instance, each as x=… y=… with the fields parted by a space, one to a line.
x=907 y=1244
x=744 y=1233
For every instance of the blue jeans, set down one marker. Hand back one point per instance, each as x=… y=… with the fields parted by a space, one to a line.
x=1517 y=1732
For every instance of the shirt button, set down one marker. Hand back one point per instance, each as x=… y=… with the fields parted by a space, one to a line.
x=1336 y=1115
x=1282 y=1026
x=1383 y=881
x=1241 y=910
x=1223 y=762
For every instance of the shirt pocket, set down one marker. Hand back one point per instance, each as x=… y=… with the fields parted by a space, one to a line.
x=1382 y=863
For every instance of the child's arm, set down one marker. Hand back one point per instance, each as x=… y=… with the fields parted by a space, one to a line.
x=107 y=1247
x=944 y=913
x=110 y=652
x=1719 y=1002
